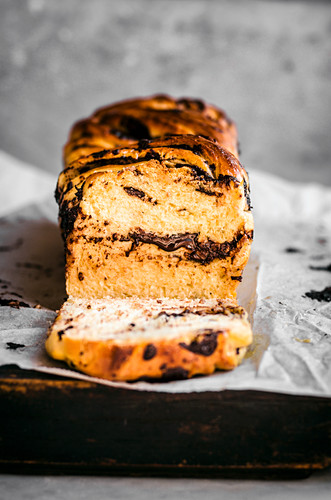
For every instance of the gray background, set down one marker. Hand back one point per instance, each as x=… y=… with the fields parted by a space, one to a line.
x=268 y=63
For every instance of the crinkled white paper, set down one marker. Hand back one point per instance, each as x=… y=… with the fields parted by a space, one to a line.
x=291 y=352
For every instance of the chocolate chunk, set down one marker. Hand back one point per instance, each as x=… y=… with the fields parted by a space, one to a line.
x=80 y=276
x=206 y=346
x=292 y=250
x=167 y=243
x=203 y=252
x=320 y=295
x=191 y=104
x=14 y=346
x=227 y=179
x=124 y=160
x=131 y=191
x=127 y=127
x=134 y=128
x=321 y=268
x=60 y=334
x=100 y=154
x=149 y=352
x=68 y=214
x=118 y=356
x=79 y=192
x=143 y=144
x=247 y=195
x=175 y=373
x=209 y=192
x=16 y=304
x=134 y=192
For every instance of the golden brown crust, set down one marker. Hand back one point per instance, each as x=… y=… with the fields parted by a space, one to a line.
x=189 y=150
x=206 y=159
x=182 y=355
x=125 y=122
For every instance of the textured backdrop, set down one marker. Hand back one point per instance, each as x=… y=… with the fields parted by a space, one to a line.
x=266 y=62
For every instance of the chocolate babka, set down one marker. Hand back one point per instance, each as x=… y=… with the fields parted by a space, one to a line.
x=155 y=213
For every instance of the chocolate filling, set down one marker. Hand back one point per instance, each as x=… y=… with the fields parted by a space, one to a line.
x=206 y=346
x=14 y=346
x=203 y=252
x=118 y=356
x=16 y=304
x=124 y=160
x=227 y=179
x=68 y=215
x=321 y=268
x=129 y=127
x=154 y=155
x=131 y=191
x=100 y=154
x=149 y=352
x=209 y=192
x=320 y=295
x=191 y=104
x=175 y=373
x=60 y=334
x=202 y=311
x=247 y=195
x=292 y=250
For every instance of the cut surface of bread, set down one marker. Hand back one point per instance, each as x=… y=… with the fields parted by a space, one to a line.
x=131 y=339
x=168 y=217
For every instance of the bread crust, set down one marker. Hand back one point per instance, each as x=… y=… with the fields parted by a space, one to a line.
x=125 y=122
x=147 y=356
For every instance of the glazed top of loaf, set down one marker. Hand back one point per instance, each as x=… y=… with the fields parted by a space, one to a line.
x=125 y=122
x=205 y=159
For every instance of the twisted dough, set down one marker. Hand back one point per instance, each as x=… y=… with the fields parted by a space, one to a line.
x=156 y=217
x=124 y=123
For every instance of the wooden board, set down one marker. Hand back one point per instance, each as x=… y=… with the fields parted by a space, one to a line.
x=55 y=425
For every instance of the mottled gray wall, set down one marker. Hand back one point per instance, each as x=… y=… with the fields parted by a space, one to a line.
x=266 y=62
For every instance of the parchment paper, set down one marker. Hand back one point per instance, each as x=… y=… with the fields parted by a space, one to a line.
x=291 y=352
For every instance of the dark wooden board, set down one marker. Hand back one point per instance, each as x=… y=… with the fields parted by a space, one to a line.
x=61 y=425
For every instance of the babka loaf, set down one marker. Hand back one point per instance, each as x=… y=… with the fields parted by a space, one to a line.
x=155 y=213
x=167 y=217
x=130 y=339
x=128 y=121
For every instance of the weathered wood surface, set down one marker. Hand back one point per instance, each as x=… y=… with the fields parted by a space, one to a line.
x=53 y=424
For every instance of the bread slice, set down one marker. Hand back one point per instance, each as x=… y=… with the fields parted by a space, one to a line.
x=131 y=339
x=125 y=122
x=168 y=217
